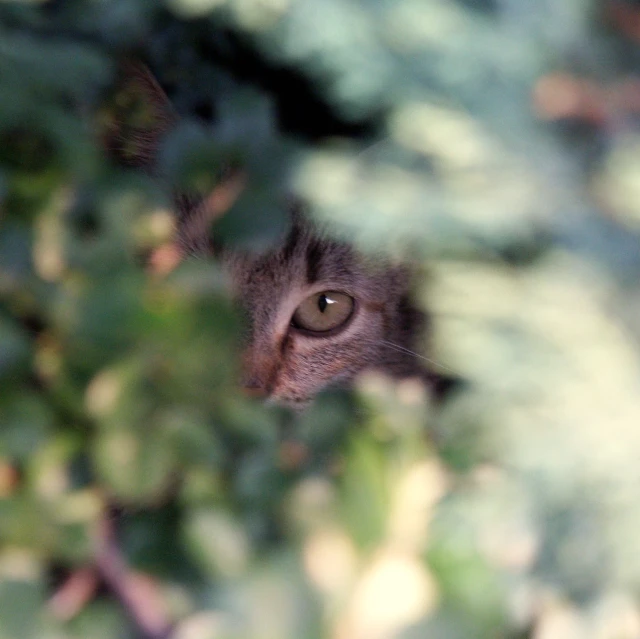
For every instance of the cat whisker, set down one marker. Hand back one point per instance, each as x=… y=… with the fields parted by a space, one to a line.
x=408 y=351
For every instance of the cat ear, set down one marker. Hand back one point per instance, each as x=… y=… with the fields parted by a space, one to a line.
x=133 y=126
x=136 y=118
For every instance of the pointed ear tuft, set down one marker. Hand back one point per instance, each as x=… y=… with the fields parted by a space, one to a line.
x=136 y=117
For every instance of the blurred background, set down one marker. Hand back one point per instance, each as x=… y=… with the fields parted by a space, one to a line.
x=496 y=143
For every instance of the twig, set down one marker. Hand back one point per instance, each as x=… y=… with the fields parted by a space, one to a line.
x=138 y=593
x=74 y=594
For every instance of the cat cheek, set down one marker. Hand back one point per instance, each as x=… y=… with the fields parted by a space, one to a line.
x=304 y=375
x=294 y=383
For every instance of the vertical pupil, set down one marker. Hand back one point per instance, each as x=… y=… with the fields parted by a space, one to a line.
x=322 y=303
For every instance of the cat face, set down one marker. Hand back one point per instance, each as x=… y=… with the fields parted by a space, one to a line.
x=317 y=315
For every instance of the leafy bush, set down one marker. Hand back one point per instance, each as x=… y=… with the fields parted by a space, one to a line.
x=142 y=496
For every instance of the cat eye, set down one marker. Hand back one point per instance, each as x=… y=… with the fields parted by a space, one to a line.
x=324 y=312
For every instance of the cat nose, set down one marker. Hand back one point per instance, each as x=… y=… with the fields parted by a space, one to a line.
x=253 y=388
x=258 y=371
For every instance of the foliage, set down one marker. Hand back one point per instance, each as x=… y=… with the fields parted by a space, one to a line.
x=496 y=143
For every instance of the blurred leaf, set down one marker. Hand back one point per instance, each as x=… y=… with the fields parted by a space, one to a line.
x=20 y=604
x=135 y=467
x=218 y=542
x=255 y=222
x=366 y=489
x=101 y=620
x=15 y=256
x=27 y=422
x=14 y=350
x=193 y=160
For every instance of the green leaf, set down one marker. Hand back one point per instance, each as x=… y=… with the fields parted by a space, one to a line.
x=366 y=491
x=15 y=350
x=255 y=222
x=26 y=424
x=20 y=609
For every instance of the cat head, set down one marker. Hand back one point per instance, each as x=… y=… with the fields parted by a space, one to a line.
x=318 y=312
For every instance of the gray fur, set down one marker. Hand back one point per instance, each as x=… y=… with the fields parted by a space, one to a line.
x=286 y=365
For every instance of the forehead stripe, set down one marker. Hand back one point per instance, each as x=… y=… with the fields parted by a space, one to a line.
x=292 y=242
x=314 y=257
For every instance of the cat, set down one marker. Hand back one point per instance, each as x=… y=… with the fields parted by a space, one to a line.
x=319 y=313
